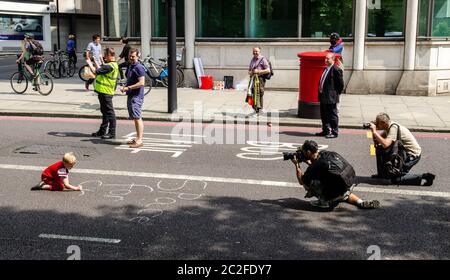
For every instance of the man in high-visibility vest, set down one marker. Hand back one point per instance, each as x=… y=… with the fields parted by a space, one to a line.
x=105 y=87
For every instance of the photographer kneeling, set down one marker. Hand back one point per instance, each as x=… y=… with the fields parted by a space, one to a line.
x=410 y=151
x=328 y=177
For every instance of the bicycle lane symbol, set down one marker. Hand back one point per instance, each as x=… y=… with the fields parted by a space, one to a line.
x=259 y=150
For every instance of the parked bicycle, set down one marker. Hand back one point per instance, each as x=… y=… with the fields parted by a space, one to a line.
x=60 y=65
x=85 y=74
x=159 y=71
x=42 y=81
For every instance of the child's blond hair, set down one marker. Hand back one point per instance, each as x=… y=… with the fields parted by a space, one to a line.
x=69 y=158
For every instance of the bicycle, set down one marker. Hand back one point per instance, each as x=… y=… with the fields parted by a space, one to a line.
x=42 y=81
x=60 y=65
x=159 y=72
x=82 y=73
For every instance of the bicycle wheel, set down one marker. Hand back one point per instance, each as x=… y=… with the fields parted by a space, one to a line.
x=81 y=73
x=180 y=76
x=19 y=83
x=148 y=85
x=54 y=70
x=64 y=68
x=44 y=84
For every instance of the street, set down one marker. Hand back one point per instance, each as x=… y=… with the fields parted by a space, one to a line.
x=186 y=195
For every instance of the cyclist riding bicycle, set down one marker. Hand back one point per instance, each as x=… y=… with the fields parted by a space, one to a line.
x=32 y=53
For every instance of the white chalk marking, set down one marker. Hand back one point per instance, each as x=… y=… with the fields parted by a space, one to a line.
x=79 y=238
x=222 y=180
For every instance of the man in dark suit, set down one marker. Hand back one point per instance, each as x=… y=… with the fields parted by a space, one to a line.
x=331 y=85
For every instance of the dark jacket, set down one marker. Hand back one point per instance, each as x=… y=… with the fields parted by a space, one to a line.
x=332 y=87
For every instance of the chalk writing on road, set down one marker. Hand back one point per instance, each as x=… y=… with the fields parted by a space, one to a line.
x=258 y=150
x=152 y=200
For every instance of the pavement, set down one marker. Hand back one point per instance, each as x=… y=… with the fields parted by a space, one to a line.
x=70 y=99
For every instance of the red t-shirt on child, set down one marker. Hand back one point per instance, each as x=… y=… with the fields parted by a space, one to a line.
x=54 y=175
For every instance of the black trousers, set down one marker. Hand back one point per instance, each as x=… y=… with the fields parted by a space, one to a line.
x=108 y=114
x=406 y=178
x=330 y=118
x=123 y=65
x=73 y=56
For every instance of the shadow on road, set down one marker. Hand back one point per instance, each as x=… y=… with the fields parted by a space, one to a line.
x=227 y=228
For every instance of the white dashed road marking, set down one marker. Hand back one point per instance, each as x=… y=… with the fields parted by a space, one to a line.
x=79 y=238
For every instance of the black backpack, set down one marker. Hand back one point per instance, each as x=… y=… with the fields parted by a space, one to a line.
x=36 y=48
x=394 y=157
x=269 y=75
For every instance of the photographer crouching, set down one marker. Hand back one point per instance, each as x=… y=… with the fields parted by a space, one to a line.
x=397 y=151
x=328 y=177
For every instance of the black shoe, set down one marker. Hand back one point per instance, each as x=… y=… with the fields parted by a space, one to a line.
x=38 y=187
x=370 y=204
x=323 y=133
x=429 y=178
x=97 y=134
x=377 y=176
x=331 y=135
x=109 y=136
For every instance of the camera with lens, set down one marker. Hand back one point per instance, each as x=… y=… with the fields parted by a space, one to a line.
x=298 y=155
x=366 y=125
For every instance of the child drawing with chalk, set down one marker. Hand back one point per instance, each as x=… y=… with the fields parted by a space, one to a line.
x=56 y=176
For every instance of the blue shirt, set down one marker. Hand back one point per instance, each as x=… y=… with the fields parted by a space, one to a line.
x=134 y=72
x=70 y=45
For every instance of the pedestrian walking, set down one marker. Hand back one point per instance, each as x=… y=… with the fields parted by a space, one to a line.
x=134 y=89
x=105 y=87
x=125 y=56
x=331 y=85
x=56 y=176
x=94 y=52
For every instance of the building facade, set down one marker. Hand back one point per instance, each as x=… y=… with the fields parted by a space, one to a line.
x=391 y=46
x=80 y=17
x=20 y=17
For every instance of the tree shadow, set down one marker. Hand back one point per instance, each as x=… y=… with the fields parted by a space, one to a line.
x=295 y=204
x=227 y=228
x=69 y=134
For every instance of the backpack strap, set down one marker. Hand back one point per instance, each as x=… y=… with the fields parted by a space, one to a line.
x=399 y=135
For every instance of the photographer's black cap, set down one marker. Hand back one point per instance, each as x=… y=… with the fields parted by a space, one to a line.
x=309 y=145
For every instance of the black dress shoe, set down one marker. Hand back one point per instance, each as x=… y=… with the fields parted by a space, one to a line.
x=323 y=133
x=97 y=134
x=331 y=135
x=109 y=136
x=429 y=178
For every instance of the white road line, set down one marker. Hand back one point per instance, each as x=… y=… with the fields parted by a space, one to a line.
x=223 y=180
x=79 y=238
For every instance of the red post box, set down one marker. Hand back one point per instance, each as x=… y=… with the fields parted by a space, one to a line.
x=312 y=65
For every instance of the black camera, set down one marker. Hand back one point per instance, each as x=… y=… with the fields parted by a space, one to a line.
x=298 y=155
x=366 y=125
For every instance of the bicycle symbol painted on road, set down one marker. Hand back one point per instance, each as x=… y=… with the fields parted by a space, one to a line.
x=259 y=150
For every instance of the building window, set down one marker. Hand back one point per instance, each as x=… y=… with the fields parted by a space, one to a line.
x=273 y=18
x=221 y=18
x=160 y=20
x=386 y=18
x=434 y=19
x=122 y=18
x=320 y=18
x=424 y=10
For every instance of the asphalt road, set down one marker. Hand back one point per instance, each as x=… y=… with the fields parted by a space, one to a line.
x=182 y=198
